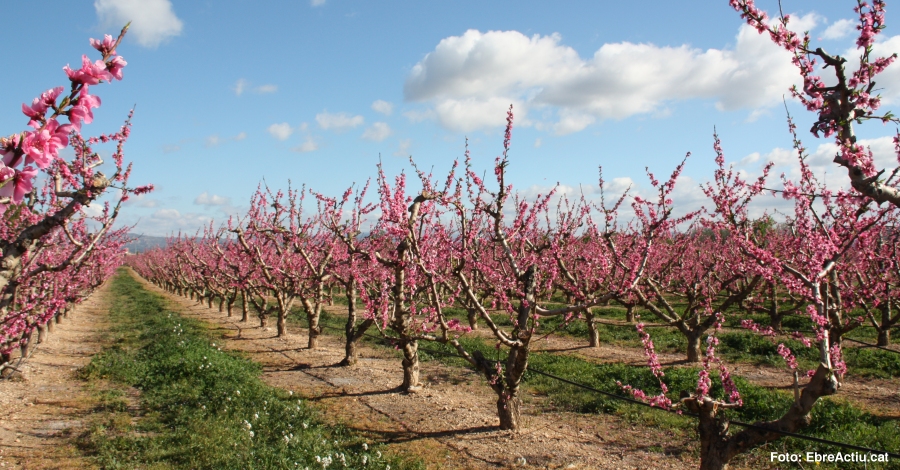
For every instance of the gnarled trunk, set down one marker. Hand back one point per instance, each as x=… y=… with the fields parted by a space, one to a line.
x=717 y=448
x=509 y=409
x=353 y=332
x=411 y=382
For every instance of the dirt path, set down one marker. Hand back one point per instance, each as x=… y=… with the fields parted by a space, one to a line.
x=42 y=411
x=452 y=423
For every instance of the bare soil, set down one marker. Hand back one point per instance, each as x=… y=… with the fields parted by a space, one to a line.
x=44 y=406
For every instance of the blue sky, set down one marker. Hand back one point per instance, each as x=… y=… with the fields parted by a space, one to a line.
x=231 y=93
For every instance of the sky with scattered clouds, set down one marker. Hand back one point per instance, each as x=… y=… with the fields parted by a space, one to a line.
x=231 y=95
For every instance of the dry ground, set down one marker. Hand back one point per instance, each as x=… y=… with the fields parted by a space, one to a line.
x=46 y=406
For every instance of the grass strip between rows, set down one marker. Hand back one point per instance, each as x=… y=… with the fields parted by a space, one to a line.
x=201 y=407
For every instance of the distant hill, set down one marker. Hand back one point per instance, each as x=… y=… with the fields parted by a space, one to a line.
x=145 y=242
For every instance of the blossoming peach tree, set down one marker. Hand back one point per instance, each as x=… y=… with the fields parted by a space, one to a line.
x=48 y=244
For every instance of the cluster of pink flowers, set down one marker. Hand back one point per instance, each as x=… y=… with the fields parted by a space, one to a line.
x=41 y=145
x=788 y=356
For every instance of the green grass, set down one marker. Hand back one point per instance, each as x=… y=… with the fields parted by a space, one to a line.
x=200 y=407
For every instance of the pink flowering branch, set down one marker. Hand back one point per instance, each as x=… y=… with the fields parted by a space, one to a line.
x=852 y=100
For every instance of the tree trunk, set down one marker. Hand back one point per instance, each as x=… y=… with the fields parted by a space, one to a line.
x=351 y=353
x=51 y=322
x=42 y=333
x=25 y=345
x=314 y=330
x=352 y=332
x=713 y=439
x=209 y=301
x=263 y=320
x=693 y=347
x=884 y=337
x=410 y=366
x=593 y=333
x=230 y=306
x=629 y=314
x=245 y=311
x=509 y=409
x=221 y=304
x=282 y=323
x=472 y=316
x=717 y=447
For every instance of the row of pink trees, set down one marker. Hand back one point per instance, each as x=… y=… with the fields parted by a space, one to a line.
x=462 y=242
x=52 y=254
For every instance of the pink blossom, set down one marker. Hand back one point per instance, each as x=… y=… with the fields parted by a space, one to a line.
x=40 y=105
x=81 y=111
x=142 y=189
x=106 y=46
x=8 y=149
x=20 y=185
x=42 y=146
x=115 y=67
x=89 y=73
x=785 y=352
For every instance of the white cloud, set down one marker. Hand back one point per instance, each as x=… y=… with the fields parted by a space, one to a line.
x=243 y=85
x=281 y=131
x=888 y=80
x=152 y=21
x=171 y=148
x=206 y=199
x=473 y=113
x=212 y=141
x=240 y=136
x=839 y=29
x=316 y=3
x=165 y=222
x=419 y=116
x=308 y=145
x=92 y=210
x=572 y=122
x=338 y=121
x=403 y=148
x=240 y=86
x=142 y=200
x=383 y=107
x=466 y=78
x=377 y=132
x=166 y=214
x=537 y=142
